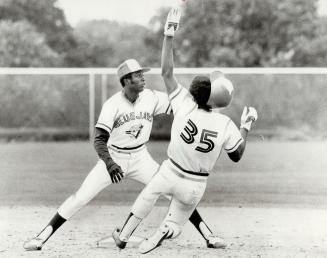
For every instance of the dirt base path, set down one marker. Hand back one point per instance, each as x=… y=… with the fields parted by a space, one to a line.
x=249 y=232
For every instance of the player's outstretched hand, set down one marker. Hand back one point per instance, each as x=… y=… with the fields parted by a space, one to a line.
x=115 y=172
x=249 y=116
x=172 y=22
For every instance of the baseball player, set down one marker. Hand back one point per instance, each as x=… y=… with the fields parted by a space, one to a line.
x=197 y=137
x=122 y=129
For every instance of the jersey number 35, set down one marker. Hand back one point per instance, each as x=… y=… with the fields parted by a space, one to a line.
x=191 y=130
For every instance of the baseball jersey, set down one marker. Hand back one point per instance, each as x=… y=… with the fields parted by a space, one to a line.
x=129 y=124
x=197 y=136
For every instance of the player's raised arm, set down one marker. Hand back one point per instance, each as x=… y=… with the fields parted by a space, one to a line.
x=167 y=58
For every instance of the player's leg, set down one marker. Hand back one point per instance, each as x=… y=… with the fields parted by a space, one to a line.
x=142 y=169
x=171 y=227
x=142 y=207
x=96 y=180
x=212 y=241
x=186 y=196
x=145 y=167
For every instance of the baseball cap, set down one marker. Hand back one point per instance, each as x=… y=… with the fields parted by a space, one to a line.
x=130 y=66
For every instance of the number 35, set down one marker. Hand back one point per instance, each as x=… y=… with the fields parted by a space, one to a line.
x=191 y=130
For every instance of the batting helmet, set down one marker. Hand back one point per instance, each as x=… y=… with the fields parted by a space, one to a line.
x=222 y=90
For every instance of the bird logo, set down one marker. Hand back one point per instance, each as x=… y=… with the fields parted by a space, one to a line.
x=135 y=131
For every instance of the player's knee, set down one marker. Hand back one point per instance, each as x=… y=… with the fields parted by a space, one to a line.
x=143 y=206
x=167 y=196
x=174 y=230
x=70 y=206
x=79 y=200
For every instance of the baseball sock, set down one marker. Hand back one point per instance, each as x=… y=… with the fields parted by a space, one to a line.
x=53 y=225
x=129 y=227
x=200 y=225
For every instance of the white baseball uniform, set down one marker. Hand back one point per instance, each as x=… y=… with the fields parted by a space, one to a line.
x=197 y=137
x=129 y=126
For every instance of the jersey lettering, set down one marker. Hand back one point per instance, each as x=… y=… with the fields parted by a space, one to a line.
x=130 y=117
x=191 y=130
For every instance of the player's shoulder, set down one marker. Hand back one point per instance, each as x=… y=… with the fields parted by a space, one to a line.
x=221 y=117
x=153 y=93
x=147 y=92
x=180 y=94
x=115 y=98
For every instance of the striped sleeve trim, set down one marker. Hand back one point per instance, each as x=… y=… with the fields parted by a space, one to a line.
x=103 y=126
x=174 y=94
x=168 y=110
x=238 y=143
x=155 y=108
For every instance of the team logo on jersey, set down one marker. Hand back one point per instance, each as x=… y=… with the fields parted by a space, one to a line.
x=125 y=118
x=135 y=131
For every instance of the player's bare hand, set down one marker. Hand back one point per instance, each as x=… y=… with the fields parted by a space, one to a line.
x=172 y=22
x=115 y=172
x=249 y=116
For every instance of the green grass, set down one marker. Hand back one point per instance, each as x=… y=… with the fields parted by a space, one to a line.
x=271 y=173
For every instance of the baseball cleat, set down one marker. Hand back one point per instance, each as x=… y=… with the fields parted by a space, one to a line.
x=35 y=244
x=119 y=243
x=215 y=242
x=154 y=241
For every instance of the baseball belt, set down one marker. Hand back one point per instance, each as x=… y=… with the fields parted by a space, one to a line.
x=127 y=150
x=200 y=176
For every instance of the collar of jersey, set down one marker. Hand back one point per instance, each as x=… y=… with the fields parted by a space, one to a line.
x=128 y=101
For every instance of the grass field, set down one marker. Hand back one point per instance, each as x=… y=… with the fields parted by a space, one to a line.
x=270 y=204
x=270 y=173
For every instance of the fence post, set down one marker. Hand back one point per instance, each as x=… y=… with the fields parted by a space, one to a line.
x=91 y=104
x=104 y=88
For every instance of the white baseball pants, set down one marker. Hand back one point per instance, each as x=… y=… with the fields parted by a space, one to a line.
x=186 y=191
x=139 y=166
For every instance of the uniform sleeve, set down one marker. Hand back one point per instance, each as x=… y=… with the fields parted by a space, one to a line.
x=107 y=116
x=233 y=137
x=162 y=103
x=181 y=101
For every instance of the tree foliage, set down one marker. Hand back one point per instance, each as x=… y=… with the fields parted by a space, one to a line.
x=21 y=45
x=246 y=33
x=110 y=42
x=47 y=19
x=45 y=16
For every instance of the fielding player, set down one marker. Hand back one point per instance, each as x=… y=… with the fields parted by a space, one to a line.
x=197 y=137
x=123 y=128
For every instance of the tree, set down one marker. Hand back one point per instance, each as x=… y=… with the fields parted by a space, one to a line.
x=22 y=46
x=47 y=18
x=313 y=51
x=109 y=43
x=310 y=52
x=243 y=33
